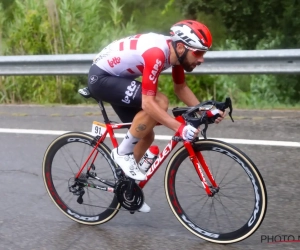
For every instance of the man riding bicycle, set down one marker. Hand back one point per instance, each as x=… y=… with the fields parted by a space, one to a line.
x=112 y=79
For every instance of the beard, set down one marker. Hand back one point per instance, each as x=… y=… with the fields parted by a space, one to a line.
x=187 y=66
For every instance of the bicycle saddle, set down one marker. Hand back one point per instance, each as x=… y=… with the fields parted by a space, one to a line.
x=85 y=92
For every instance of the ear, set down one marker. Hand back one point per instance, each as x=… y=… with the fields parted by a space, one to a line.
x=180 y=48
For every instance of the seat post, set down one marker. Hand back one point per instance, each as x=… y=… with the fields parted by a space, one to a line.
x=104 y=114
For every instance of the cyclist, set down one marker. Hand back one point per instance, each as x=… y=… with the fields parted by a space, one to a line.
x=112 y=78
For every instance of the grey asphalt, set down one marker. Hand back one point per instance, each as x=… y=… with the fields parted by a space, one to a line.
x=29 y=220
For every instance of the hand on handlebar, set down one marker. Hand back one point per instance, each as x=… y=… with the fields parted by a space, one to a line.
x=221 y=117
x=216 y=115
x=205 y=113
x=188 y=132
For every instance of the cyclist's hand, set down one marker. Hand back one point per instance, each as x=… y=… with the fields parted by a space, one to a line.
x=216 y=114
x=221 y=117
x=188 y=132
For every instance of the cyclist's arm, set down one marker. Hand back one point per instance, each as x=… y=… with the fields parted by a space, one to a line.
x=150 y=106
x=184 y=93
x=154 y=62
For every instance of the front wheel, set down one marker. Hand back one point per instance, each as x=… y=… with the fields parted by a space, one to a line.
x=235 y=212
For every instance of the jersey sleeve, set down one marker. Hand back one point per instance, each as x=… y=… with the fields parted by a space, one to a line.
x=178 y=74
x=154 y=59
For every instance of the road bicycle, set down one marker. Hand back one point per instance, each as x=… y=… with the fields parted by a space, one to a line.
x=214 y=189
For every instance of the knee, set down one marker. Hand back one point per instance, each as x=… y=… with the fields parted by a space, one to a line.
x=162 y=101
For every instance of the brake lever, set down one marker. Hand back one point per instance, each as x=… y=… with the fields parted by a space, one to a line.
x=203 y=131
x=228 y=103
x=224 y=105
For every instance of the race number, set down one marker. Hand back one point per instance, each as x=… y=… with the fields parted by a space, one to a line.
x=98 y=128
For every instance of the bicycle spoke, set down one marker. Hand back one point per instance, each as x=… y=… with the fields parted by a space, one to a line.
x=232 y=181
x=219 y=164
x=213 y=200
x=62 y=152
x=225 y=209
x=238 y=203
x=225 y=176
x=240 y=198
x=196 y=195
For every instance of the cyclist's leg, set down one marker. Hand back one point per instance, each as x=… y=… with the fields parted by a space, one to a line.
x=127 y=114
x=125 y=97
x=142 y=127
x=142 y=146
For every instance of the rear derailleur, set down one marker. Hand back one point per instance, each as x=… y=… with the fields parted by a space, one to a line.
x=77 y=187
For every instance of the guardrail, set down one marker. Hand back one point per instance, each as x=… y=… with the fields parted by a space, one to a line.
x=286 y=61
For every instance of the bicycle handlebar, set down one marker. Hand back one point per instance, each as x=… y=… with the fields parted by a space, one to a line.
x=191 y=117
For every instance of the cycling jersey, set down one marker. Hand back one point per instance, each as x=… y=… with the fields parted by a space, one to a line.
x=145 y=55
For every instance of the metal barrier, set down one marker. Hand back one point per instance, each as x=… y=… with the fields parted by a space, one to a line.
x=286 y=61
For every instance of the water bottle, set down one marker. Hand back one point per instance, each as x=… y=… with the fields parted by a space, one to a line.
x=148 y=158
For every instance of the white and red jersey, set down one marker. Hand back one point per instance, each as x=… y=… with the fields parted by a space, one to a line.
x=145 y=55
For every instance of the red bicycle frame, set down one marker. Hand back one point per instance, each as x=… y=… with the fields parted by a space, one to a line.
x=196 y=158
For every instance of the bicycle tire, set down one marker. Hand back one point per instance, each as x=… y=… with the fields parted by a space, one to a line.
x=54 y=152
x=252 y=178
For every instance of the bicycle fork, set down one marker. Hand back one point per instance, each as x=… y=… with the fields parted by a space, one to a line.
x=198 y=161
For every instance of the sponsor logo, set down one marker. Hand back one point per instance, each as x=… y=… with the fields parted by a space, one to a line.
x=129 y=92
x=79 y=140
x=93 y=79
x=80 y=217
x=204 y=183
x=185 y=38
x=114 y=61
x=198 y=229
x=153 y=76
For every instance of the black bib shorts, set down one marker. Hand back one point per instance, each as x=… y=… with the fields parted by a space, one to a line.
x=124 y=94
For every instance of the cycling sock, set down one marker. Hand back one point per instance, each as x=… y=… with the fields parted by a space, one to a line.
x=128 y=144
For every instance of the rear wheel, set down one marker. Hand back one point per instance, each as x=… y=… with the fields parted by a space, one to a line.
x=62 y=161
x=232 y=214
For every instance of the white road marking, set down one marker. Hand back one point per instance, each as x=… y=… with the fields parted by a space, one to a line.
x=157 y=137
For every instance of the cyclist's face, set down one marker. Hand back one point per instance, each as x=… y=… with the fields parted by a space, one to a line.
x=193 y=59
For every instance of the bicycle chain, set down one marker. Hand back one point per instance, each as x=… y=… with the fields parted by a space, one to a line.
x=120 y=191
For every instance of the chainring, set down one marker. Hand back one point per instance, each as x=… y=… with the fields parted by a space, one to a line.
x=137 y=200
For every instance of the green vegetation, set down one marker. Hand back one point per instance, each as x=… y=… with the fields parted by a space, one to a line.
x=40 y=27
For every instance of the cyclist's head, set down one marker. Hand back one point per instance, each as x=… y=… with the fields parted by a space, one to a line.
x=194 y=36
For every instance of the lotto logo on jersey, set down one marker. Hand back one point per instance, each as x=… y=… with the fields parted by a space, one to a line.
x=153 y=75
x=129 y=93
x=114 y=61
